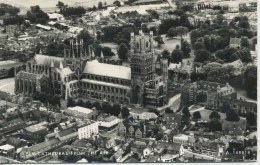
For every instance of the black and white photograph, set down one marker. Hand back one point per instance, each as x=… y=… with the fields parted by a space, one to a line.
x=128 y=81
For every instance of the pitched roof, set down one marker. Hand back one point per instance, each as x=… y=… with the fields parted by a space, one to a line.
x=12 y=125
x=32 y=76
x=14 y=141
x=102 y=69
x=235 y=41
x=46 y=60
x=66 y=132
x=132 y=160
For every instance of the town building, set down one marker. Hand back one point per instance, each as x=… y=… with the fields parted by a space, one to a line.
x=108 y=123
x=79 y=74
x=80 y=112
x=88 y=130
x=52 y=141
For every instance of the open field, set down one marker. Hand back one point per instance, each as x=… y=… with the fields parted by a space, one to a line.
x=7 y=85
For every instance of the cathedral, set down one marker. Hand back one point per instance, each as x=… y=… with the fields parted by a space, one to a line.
x=80 y=74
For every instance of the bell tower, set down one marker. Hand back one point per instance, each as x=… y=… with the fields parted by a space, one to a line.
x=141 y=63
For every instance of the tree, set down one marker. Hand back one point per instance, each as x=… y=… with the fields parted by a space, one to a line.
x=167 y=24
x=100 y=5
x=244 y=43
x=244 y=24
x=117 y=3
x=199 y=45
x=171 y=33
x=181 y=30
x=177 y=55
x=125 y=112
x=71 y=102
x=88 y=104
x=154 y=14
x=219 y=19
x=36 y=15
x=122 y=52
x=186 y=112
x=195 y=34
x=251 y=119
x=168 y=110
x=214 y=115
x=250 y=80
x=52 y=49
x=87 y=38
x=107 y=52
x=97 y=105
x=196 y=115
x=166 y=54
x=244 y=55
x=202 y=55
x=116 y=110
x=186 y=48
x=106 y=107
x=215 y=125
x=221 y=54
x=232 y=115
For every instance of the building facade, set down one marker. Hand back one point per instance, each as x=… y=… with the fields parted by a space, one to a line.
x=81 y=74
x=88 y=130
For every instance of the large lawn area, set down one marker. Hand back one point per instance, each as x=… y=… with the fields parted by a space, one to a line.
x=7 y=85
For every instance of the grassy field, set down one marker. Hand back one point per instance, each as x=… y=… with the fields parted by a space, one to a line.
x=7 y=85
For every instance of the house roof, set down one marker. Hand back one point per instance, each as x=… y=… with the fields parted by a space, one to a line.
x=235 y=41
x=132 y=160
x=6 y=147
x=108 y=70
x=66 y=132
x=14 y=141
x=81 y=109
x=32 y=76
x=12 y=125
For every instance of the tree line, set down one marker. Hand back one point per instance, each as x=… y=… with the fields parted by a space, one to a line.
x=104 y=107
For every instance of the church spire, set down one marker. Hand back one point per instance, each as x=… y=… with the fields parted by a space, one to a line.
x=61 y=65
x=52 y=64
x=40 y=52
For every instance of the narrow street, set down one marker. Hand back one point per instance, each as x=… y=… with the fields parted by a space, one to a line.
x=188 y=153
x=9 y=159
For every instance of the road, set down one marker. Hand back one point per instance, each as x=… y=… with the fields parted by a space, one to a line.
x=188 y=153
x=9 y=159
x=170 y=102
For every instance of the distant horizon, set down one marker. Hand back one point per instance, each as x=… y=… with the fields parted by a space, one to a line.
x=50 y=5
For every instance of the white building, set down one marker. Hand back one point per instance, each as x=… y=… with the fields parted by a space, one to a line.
x=87 y=131
x=184 y=139
x=108 y=123
x=55 y=17
x=143 y=115
x=80 y=112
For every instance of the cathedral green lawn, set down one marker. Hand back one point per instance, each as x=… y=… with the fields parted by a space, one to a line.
x=7 y=85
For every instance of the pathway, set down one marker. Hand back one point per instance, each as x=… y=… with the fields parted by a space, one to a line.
x=188 y=153
x=9 y=159
x=170 y=102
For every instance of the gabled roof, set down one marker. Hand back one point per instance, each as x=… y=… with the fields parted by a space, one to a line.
x=66 y=132
x=235 y=41
x=108 y=70
x=31 y=76
x=15 y=141
x=46 y=60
